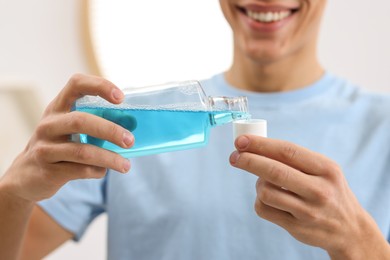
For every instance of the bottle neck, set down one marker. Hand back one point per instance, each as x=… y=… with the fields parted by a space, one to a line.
x=233 y=104
x=227 y=109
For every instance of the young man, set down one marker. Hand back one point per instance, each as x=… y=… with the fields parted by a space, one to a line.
x=329 y=201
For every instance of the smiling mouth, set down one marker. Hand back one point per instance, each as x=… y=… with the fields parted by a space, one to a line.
x=268 y=16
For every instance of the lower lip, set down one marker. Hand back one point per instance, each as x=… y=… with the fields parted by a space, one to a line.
x=266 y=27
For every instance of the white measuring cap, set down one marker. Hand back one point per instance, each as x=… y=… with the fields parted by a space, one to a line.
x=250 y=127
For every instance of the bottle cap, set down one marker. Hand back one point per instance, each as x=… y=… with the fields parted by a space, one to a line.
x=250 y=127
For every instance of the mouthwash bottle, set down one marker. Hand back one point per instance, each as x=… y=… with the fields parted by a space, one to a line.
x=164 y=118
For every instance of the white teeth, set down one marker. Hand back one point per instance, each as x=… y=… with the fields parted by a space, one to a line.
x=268 y=17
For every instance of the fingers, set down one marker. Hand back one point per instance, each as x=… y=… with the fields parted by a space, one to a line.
x=78 y=122
x=62 y=172
x=287 y=153
x=299 y=190
x=59 y=123
x=284 y=164
x=81 y=85
x=273 y=171
x=279 y=198
x=278 y=217
x=84 y=154
x=50 y=159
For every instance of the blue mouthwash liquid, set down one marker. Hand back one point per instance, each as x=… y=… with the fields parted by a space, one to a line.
x=158 y=131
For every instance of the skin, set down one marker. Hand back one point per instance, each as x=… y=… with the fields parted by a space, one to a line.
x=50 y=160
x=279 y=58
x=299 y=190
x=307 y=194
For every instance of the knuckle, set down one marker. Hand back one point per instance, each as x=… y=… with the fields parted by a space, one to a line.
x=310 y=215
x=116 y=161
x=87 y=172
x=262 y=210
x=289 y=152
x=248 y=160
x=300 y=232
x=75 y=79
x=259 y=209
x=77 y=121
x=49 y=175
x=109 y=131
x=94 y=172
x=81 y=152
x=259 y=147
x=40 y=152
x=101 y=82
x=115 y=130
x=278 y=175
x=323 y=196
x=42 y=129
x=259 y=184
x=331 y=168
x=50 y=107
x=265 y=195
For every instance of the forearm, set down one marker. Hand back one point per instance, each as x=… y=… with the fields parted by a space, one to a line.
x=379 y=252
x=369 y=243
x=380 y=249
x=49 y=161
x=15 y=214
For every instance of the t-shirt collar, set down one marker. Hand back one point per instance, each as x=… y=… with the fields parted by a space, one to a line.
x=305 y=94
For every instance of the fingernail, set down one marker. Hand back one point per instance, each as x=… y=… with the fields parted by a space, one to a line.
x=117 y=94
x=126 y=166
x=128 y=138
x=234 y=157
x=242 y=142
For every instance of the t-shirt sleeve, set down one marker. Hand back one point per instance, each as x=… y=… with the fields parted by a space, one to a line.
x=77 y=204
x=388 y=237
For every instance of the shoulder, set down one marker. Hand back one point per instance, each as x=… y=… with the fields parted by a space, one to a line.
x=376 y=103
x=373 y=108
x=361 y=96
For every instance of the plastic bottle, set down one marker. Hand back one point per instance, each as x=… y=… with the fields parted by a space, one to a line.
x=164 y=118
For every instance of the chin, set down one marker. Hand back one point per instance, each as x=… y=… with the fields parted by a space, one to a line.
x=264 y=56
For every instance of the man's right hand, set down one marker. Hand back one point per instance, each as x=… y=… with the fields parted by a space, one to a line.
x=51 y=159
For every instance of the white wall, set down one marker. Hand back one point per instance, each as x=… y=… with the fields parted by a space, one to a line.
x=355 y=41
x=41 y=47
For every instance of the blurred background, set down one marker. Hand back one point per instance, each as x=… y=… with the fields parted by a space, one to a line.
x=136 y=43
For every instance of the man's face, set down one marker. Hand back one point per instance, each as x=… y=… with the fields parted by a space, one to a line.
x=269 y=30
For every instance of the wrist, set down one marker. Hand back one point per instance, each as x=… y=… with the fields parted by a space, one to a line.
x=366 y=243
x=9 y=195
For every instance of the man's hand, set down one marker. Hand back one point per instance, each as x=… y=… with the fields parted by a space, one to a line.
x=51 y=159
x=306 y=193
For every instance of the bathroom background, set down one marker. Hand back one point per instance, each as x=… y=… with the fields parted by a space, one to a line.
x=44 y=42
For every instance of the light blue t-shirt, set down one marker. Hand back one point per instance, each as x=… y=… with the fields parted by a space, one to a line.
x=193 y=205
